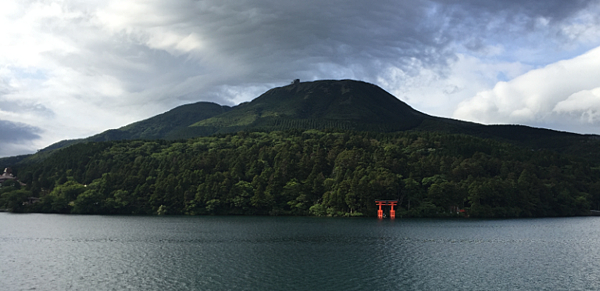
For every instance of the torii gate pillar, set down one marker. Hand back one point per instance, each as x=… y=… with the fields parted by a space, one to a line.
x=380 y=211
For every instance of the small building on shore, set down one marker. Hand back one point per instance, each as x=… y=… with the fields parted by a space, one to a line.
x=7 y=175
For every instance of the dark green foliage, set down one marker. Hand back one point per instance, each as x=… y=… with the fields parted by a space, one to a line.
x=311 y=172
x=10 y=162
x=13 y=197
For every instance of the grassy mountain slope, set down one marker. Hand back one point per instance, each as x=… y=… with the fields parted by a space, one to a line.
x=344 y=104
x=163 y=125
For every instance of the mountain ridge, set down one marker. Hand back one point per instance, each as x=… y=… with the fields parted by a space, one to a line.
x=345 y=104
x=327 y=104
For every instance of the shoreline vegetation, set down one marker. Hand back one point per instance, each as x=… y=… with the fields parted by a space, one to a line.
x=307 y=172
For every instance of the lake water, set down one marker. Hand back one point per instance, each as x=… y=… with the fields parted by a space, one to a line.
x=69 y=252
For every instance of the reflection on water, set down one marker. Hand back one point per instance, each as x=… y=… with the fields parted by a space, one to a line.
x=68 y=252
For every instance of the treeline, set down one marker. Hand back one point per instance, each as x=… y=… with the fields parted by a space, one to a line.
x=285 y=124
x=312 y=172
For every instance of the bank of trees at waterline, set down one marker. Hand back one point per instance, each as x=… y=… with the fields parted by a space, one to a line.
x=322 y=173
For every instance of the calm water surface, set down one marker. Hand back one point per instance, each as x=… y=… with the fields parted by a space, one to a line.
x=69 y=252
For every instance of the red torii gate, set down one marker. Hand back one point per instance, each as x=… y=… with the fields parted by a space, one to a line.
x=391 y=203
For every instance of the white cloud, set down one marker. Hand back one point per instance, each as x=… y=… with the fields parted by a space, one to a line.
x=584 y=104
x=437 y=92
x=537 y=96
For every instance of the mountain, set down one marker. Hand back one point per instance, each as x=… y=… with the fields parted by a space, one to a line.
x=374 y=147
x=344 y=104
x=162 y=126
x=356 y=105
x=330 y=104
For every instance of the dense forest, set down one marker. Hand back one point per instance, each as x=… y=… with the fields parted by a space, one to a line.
x=322 y=173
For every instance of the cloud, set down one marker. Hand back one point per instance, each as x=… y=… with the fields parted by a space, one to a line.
x=16 y=138
x=438 y=94
x=250 y=37
x=541 y=96
x=75 y=68
x=12 y=132
x=584 y=105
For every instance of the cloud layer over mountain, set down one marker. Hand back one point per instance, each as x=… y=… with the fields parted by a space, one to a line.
x=70 y=69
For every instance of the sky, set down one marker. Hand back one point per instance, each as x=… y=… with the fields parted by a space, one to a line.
x=70 y=69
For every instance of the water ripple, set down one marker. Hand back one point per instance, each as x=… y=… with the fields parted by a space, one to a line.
x=240 y=253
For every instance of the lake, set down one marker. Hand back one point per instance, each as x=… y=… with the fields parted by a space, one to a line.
x=71 y=252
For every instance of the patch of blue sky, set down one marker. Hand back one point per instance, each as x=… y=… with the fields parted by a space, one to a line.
x=32 y=74
x=501 y=77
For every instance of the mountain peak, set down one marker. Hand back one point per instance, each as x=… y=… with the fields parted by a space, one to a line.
x=344 y=104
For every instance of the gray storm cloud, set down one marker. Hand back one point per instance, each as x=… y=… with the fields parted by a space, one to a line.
x=14 y=132
x=200 y=49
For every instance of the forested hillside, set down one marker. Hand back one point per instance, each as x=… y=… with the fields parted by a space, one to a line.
x=324 y=173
